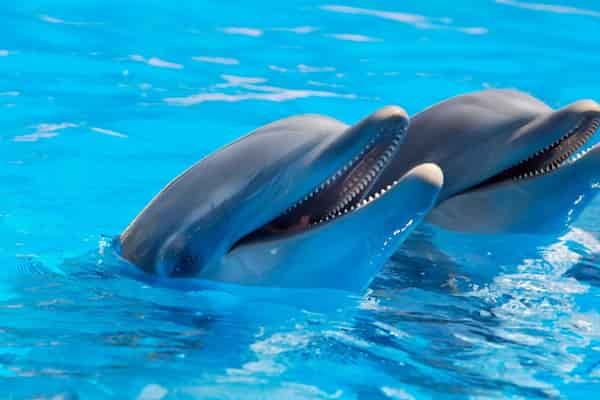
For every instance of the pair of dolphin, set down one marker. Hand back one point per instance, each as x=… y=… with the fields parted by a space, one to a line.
x=310 y=202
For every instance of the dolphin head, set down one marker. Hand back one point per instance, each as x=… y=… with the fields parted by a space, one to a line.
x=281 y=181
x=509 y=160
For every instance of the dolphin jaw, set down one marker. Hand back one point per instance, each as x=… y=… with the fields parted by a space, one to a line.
x=354 y=191
x=591 y=144
x=363 y=203
x=338 y=174
x=428 y=172
x=571 y=147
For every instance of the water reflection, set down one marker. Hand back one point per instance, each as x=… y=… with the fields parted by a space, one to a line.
x=217 y=60
x=155 y=62
x=256 y=89
x=44 y=131
x=351 y=37
x=551 y=8
x=252 y=32
x=416 y=20
x=109 y=132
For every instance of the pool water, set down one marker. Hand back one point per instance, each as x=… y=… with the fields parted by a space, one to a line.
x=102 y=103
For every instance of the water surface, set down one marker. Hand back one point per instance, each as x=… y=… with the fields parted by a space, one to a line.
x=102 y=103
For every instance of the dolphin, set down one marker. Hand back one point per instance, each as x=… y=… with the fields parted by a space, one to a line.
x=511 y=163
x=285 y=206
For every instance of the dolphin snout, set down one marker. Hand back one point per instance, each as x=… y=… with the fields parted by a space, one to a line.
x=390 y=117
x=430 y=174
x=583 y=108
x=389 y=111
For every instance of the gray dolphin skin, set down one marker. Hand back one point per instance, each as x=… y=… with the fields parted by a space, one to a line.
x=511 y=163
x=287 y=206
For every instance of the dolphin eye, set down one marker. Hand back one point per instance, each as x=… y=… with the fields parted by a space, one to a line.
x=178 y=262
x=186 y=265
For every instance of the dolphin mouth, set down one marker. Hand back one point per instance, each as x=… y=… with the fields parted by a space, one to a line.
x=572 y=146
x=341 y=193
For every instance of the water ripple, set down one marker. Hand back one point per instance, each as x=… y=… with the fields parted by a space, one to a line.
x=551 y=8
x=54 y=20
x=155 y=62
x=256 y=91
x=44 y=131
x=217 y=60
x=252 y=32
x=416 y=20
x=354 y=37
x=109 y=132
x=300 y=30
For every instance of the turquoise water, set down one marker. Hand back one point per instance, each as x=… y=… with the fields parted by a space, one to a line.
x=102 y=103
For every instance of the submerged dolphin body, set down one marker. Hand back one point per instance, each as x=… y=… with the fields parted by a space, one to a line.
x=285 y=206
x=511 y=163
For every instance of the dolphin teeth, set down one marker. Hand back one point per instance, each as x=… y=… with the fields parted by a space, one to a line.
x=353 y=187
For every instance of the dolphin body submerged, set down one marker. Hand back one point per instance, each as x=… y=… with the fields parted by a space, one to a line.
x=288 y=205
x=511 y=163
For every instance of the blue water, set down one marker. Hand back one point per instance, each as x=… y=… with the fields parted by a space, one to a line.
x=102 y=103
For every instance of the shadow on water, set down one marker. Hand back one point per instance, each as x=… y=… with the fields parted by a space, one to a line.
x=587 y=270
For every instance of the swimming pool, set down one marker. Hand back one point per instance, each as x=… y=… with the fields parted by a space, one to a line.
x=102 y=103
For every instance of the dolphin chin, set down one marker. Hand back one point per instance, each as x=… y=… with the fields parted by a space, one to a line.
x=510 y=162
x=544 y=203
x=293 y=182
